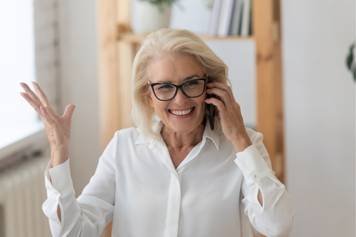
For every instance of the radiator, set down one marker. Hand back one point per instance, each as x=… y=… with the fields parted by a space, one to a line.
x=22 y=192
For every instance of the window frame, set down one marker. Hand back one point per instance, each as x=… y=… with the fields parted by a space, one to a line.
x=47 y=67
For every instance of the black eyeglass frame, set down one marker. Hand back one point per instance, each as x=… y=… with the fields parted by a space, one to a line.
x=204 y=78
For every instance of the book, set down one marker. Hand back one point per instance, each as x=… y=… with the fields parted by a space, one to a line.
x=214 y=18
x=245 y=27
x=236 y=18
x=226 y=11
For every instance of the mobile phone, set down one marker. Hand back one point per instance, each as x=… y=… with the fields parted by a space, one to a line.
x=210 y=111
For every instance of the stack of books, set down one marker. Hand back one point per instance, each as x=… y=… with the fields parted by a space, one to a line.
x=231 y=17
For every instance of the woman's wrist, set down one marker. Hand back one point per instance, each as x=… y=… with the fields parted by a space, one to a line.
x=241 y=142
x=59 y=155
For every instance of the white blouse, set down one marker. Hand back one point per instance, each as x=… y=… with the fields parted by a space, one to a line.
x=136 y=186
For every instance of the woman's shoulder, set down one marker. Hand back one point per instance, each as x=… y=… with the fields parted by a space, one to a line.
x=127 y=134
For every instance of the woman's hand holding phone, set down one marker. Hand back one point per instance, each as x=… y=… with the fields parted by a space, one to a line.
x=57 y=126
x=220 y=95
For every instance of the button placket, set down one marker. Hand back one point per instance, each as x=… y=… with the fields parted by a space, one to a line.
x=173 y=207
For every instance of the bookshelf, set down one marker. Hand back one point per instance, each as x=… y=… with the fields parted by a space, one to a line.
x=118 y=45
x=132 y=38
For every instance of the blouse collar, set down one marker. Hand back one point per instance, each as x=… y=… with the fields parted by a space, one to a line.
x=210 y=134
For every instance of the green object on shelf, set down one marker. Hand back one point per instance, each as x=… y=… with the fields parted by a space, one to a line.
x=160 y=2
x=351 y=61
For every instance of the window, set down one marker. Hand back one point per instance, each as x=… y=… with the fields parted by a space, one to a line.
x=28 y=47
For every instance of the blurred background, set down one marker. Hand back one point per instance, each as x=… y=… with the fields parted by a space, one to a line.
x=290 y=64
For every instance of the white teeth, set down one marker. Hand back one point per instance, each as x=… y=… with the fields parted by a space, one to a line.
x=181 y=112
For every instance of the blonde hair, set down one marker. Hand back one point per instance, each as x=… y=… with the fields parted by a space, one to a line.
x=161 y=42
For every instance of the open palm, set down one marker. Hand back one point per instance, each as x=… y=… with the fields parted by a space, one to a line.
x=57 y=126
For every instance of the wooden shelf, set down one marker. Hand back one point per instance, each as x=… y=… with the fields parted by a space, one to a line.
x=138 y=38
x=125 y=34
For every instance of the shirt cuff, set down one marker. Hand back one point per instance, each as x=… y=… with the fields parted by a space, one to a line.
x=59 y=178
x=252 y=164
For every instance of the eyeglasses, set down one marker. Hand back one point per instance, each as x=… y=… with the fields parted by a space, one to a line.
x=193 y=88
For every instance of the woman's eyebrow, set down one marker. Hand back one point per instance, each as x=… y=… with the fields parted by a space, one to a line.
x=191 y=77
x=185 y=79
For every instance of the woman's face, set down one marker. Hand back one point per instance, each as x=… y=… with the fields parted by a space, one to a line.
x=181 y=114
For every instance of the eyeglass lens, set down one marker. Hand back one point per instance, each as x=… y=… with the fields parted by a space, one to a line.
x=191 y=88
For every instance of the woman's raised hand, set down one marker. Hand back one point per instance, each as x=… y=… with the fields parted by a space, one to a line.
x=57 y=126
x=230 y=116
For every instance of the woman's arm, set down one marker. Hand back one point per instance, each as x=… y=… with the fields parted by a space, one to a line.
x=265 y=199
x=89 y=214
x=57 y=126
x=67 y=216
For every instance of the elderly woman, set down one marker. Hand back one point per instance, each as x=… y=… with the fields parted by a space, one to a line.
x=189 y=168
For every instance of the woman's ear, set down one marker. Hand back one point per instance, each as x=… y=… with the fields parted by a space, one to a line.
x=149 y=99
x=147 y=94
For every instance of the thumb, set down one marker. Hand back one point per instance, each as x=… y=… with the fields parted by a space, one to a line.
x=68 y=112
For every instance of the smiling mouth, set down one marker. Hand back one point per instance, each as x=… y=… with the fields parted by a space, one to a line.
x=181 y=112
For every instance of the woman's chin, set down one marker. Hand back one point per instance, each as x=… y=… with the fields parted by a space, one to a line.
x=183 y=126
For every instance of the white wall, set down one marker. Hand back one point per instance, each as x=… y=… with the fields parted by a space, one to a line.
x=79 y=84
x=319 y=114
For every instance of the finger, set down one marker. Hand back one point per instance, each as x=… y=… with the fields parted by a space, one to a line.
x=47 y=115
x=30 y=92
x=68 y=112
x=222 y=94
x=43 y=115
x=218 y=103
x=42 y=96
x=28 y=98
x=221 y=86
x=45 y=118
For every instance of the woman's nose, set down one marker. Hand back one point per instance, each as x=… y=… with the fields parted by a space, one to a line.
x=180 y=97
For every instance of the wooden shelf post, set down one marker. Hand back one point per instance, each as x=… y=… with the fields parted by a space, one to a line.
x=266 y=27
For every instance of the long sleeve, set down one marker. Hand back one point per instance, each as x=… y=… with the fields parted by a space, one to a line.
x=275 y=217
x=88 y=215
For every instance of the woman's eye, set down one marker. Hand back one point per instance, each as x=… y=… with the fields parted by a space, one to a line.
x=165 y=87
x=192 y=83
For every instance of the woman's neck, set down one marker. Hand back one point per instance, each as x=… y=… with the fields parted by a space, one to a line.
x=180 y=141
